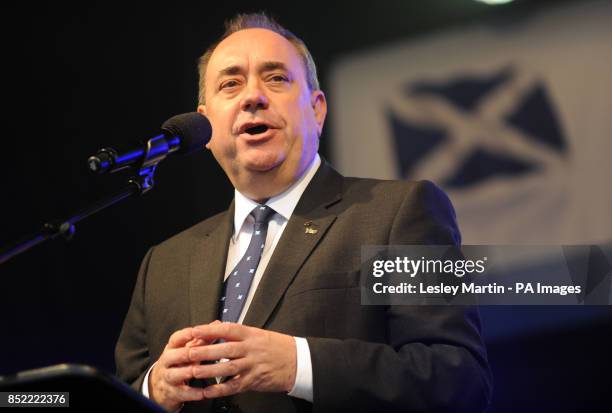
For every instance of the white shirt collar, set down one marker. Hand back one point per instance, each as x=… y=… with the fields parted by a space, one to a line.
x=283 y=203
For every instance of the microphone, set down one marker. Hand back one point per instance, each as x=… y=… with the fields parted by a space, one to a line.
x=181 y=135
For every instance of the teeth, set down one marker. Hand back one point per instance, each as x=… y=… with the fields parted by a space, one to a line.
x=256 y=129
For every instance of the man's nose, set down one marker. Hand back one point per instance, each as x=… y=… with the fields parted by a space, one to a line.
x=254 y=98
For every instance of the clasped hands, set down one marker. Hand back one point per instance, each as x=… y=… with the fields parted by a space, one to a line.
x=256 y=360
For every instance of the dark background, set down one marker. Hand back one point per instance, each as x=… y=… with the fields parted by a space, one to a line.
x=81 y=76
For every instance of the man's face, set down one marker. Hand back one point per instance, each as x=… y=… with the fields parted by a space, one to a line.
x=266 y=121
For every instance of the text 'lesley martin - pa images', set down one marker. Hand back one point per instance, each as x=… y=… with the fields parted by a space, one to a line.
x=486 y=275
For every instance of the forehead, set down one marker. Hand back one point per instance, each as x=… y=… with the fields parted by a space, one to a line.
x=246 y=48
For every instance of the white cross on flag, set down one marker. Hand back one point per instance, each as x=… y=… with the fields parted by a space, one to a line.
x=513 y=122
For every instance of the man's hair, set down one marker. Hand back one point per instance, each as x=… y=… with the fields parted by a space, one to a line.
x=261 y=21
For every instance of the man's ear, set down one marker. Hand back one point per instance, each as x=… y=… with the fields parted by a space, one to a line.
x=319 y=106
x=202 y=111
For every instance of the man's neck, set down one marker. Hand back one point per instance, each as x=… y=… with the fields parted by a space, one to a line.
x=262 y=186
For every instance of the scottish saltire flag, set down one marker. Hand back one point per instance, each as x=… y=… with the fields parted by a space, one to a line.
x=513 y=121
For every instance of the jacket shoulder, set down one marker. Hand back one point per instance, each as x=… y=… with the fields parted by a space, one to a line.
x=417 y=210
x=395 y=190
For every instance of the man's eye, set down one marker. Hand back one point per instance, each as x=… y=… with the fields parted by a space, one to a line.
x=228 y=84
x=279 y=78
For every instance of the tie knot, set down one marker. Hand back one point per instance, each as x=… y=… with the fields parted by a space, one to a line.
x=262 y=214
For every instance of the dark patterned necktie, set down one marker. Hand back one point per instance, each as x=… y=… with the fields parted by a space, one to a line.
x=237 y=285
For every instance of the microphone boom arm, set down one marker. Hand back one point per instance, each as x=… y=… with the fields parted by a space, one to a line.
x=183 y=134
x=157 y=149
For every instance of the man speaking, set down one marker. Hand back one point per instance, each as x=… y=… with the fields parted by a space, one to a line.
x=262 y=302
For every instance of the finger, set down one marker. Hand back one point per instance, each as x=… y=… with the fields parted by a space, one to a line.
x=226 y=331
x=232 y=386
x=195 y=342
x=180 y=338
x=175 y=357
x=223 y=369
x=178 y=375
x=199 y=341
x=185 y=393
x=228 y=350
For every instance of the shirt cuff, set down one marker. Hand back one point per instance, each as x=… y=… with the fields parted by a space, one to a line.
x=145 y=383
x=302 y=389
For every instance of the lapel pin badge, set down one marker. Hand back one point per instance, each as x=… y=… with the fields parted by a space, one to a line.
x=310 y=228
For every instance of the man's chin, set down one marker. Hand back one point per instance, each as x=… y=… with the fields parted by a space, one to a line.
x=263 y=164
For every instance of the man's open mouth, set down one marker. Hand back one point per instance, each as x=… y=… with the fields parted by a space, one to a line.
x=254 y=130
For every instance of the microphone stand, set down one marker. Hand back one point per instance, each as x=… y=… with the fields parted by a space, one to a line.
x=137 y=185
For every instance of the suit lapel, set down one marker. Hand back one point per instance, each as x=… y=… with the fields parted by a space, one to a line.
x=207 y=267
x=308 y=224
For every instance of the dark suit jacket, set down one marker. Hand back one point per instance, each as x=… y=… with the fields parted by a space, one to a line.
x=364 y=358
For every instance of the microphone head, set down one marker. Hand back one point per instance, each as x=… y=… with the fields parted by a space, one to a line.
x=193 y=128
